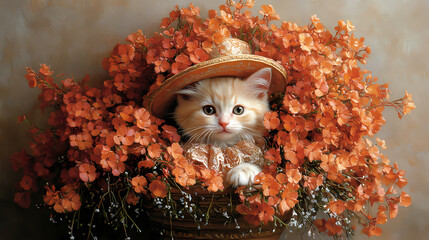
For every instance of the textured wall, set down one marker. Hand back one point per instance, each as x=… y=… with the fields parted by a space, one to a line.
x=73 y=35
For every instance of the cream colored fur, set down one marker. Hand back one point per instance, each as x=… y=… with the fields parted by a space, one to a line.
x=225 y=93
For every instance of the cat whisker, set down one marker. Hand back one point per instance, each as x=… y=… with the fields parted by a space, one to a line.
x=188 y=130
x=208 y=134
x=195 y=137
x=251 y=130
x=193 y=130
x=186 y=121
x=241 y=135
x=211 y=134
x=256 y=134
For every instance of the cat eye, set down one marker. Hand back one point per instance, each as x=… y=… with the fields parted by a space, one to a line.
x=209 y=110
x=238 y=110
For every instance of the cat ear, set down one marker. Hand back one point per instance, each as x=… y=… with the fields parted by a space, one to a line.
x=260 y=81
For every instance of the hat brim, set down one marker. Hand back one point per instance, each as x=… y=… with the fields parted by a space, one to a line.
x=160 y=102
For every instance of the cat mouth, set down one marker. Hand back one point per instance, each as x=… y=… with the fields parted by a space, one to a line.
x=224 y=131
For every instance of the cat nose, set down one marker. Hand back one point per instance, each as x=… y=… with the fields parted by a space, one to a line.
x=223 y=124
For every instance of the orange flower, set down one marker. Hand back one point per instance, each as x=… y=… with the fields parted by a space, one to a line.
x=139 y=183
x=372 y=230
x=71 y=201
x=343 y=26
x=317 y=24
x=146 y=164
x=45 y=70
x=333 y=228
x=306 y=42
x=266 y=213
x=281 y=178
x=313 y=151
x=19 y=160
x=40 y=169
x=405 y=199
x=313 y=182
x=182 y=61
x=393 y=206
x=51 y=196
x=158 y=188
x=291 y=156
x=31 y=77
x=250 y=213
x=127 y=113
x=408 y=103
x=288 y=200
x=199 y=55
x=191 y=46
x=320 y=224
x=180 y=176
x=226 y=17
x=294 y=176
x=250 y=3
x=81 y=140
x=271 y=120
x=132 y=199
x=175 y=150
x=270 y=186
x=161 y=66
x=337 y=206
x=294 y=105
x=381 y=215
x=23 y=199
x=401 y=182
x=126 y=52
x=154 y=150
x=273 y=155
x=87 y=172
x=381 y=143
x=124 y=136
x=289 y=122
x=170 y=133
x=58 y=207
x=27 y=182
x=212 y=179
x=268 y=11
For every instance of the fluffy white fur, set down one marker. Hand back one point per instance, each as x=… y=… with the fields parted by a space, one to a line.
x=243 y=174
x=225 y=128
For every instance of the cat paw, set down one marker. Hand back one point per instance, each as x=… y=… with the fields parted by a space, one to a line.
x=242 y=175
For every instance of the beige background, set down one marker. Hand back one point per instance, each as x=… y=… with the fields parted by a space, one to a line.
x=73 y=35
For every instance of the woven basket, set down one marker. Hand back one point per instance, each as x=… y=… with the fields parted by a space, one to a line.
x=218 y=226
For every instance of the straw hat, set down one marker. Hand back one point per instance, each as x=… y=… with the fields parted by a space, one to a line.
x=231 y=58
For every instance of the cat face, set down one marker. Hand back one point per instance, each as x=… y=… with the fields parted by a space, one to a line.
x=224 y=110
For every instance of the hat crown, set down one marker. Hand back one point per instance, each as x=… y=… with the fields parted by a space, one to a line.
x=230 y=47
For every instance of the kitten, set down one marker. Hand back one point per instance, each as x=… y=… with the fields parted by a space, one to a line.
x=223 y=111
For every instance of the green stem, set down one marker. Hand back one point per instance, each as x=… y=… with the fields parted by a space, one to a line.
x=126 y=213
x=208 y=210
